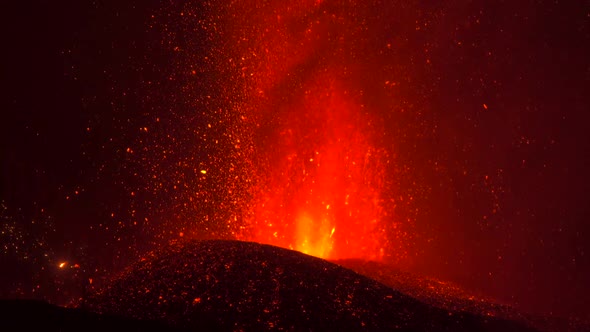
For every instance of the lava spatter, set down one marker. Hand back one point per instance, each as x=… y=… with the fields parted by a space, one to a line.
x=304 y=160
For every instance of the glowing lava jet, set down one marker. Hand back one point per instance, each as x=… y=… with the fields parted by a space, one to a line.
x=319 y=192
x=315 y=173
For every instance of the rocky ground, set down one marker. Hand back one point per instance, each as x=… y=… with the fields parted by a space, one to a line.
x=248 y=286
x=242 y=286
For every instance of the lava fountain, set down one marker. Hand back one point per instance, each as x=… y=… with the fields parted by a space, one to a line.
x=318 y=190
x=303 y=137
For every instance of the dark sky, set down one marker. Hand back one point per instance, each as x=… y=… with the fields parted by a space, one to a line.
x=491 y=128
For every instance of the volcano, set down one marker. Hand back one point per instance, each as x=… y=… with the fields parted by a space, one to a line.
x=249 y=286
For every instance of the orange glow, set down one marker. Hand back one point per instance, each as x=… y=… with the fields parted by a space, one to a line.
x=62 y=264
x=313 y=164
x=303 y=163
x=322 y=174
x=313 y=238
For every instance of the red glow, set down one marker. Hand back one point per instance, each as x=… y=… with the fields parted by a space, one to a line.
x=320 y=190
x=317 y=173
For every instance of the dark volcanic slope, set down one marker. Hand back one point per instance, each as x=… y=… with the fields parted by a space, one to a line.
x=445 y=295
x=251 y=286
x=448 y=296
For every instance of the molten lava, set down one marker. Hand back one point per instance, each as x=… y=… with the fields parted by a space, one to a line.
x=320 y=190
x=315 y=172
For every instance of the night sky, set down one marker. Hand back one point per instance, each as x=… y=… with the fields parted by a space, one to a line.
x=121 y=121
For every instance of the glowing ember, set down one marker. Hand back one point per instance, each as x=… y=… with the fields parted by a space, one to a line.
x=322 y=174
x=313 y=163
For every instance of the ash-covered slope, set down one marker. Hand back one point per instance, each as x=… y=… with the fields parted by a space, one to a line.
x=249 y=286
x=441 y=294
x=451 y=297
